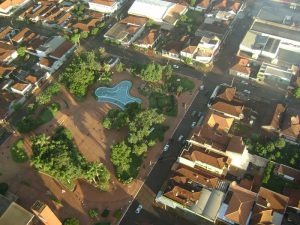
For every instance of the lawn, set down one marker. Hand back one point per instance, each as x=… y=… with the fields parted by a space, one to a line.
x=18 y=153
x=165 y=104
x=176 y=81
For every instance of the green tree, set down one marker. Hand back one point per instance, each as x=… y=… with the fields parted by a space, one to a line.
x=183 y=18
x=119 y=67
x=150 y=23
x=168 y=71
x=95 y=31
x=120 y=156
x=140 y=149
x=106 y=67
x=93 y=213
x=101 y=51
x=152 y=72
x=297 y=92
x=192 y=2
x=21 y=51
x=279 y=143
x=187 y=60
x=71 y=221
x=75 y=38
x=80 y=73
x=84 y=35
x=179 y=90
x=268 y=172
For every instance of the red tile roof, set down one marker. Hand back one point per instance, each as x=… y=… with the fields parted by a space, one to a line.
x=62 y=49
x=240 y=204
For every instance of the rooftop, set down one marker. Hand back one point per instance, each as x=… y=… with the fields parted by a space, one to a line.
x=240 y=204
x=218 y=121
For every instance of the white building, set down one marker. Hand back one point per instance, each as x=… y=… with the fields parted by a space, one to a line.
x=105 y=6
x=163 y=12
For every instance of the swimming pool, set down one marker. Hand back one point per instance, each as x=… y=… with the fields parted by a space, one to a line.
x=118 y=95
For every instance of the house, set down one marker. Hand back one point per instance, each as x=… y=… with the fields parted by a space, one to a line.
x=276 y=119
x=127 y=30
x=211 y=161
x=227 y=103
x=62 y=51
x=201 y=5
x=241 y=68
x=288 y=173
x=105 y=6
x=294 y=197
x=5 y=71
x=19 y=37
x=218 y=121
x=5 y=32
x=7 y=53
x=88 y=25
x=173 y=48
x=45 y=214
x=162 y=12
x=8 y=7
x=269 y=207
x=21 y=88
x=49 y=64
x=237 y=207
x=202 y=49
x=290 y=126
x=192 y=192
x=222 y=143
x=7 y=100
x=13 y=214
x=149 y=39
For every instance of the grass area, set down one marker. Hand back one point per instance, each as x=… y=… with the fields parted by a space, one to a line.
x=165 y=104
x=176 y=81
x=29 y=123
x=158 y=132
x=18 y=153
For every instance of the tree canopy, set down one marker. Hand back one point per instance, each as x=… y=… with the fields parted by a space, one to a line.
x=80 y=73
x=152 y=72
x=59 y=157
x=297 y=92
x=126 y=155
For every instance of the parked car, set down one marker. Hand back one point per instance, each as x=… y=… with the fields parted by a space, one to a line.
x=112 y=61
x=138 y=209
x=175 y=66
x=244 y=82
x=200 y=114
x=194 y=124
x=247 y=92
x=167 y=146
x=193 y=113
x=180 y=138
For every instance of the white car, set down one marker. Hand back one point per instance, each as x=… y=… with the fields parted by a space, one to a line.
x=247 y=92
x=244 y=82
x=167 y=146
x=138 y=209
x=175 y=66
x=194 y=124
x=180 y=138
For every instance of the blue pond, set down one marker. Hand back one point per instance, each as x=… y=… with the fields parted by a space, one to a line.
x=118 y=95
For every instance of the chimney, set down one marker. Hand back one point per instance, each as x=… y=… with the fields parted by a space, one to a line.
x=45 y=214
